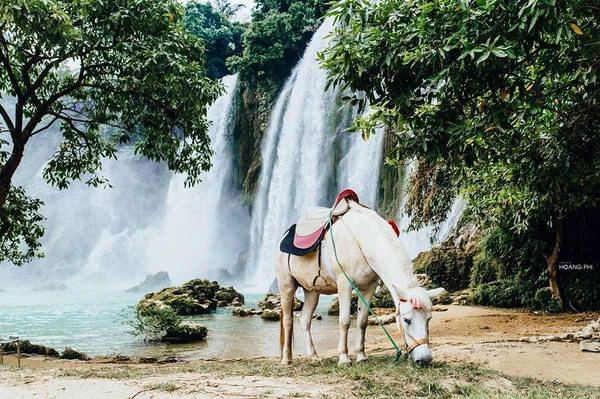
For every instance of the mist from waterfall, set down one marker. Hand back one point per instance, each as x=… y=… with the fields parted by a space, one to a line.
x=204 y=227
x=112 y=238
x=299 y=162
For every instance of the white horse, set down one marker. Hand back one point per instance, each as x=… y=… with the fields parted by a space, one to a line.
x=368 y=250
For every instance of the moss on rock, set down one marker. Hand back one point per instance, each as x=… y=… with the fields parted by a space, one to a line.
x=185 y=331
x=270 y=314
x=195 y=297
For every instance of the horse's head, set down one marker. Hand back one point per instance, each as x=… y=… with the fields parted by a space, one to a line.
x=413 y=312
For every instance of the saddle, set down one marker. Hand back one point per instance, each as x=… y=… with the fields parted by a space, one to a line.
x=306 y=235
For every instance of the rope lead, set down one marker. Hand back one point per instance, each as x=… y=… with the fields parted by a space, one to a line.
x=360 y=296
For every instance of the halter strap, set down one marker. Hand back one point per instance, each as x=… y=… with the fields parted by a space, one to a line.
x=415 y=341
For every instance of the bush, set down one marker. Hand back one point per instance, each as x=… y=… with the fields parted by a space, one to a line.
x=501 y=294
x=153 y=322
x=446 y=266
x=383 y=298
x=484 y=270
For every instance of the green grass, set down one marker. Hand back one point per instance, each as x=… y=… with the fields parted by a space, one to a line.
x=381 y=377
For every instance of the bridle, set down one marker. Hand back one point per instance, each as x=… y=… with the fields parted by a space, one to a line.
x=415 y=341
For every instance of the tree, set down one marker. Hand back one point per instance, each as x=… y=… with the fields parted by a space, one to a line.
x=501 y=98
x=222 y=38
x=110 y=73
x=276 y=39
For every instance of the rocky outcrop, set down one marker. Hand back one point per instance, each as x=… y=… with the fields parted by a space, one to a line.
x=72 y=354
x=269 y=308
x=195 y=297
x=152 y=282
x=29 y=348
x=186 y=331
x=252 y=110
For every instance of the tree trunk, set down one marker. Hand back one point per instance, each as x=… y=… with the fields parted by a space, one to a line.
x=6 y=173
x=552 y=262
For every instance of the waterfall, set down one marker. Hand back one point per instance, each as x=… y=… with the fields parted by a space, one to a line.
x=422 y=239
x=203 y=229
x=147 y=222
x=305 y=132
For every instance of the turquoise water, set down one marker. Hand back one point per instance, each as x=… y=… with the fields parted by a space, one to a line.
x=92 y=322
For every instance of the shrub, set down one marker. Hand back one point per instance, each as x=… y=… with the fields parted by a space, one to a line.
x=446 y=266
x=383 y=298
x=152 y=323
x=501 y=293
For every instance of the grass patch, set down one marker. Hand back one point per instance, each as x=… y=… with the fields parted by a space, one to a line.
x=381 y=377
x=163 y=386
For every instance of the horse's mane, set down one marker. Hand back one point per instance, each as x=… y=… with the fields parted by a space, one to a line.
x=414 y=289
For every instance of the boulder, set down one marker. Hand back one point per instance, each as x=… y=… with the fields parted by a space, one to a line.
x=241 y=311
x=186 y=331
x=152 y=282
x=273 y=302
x=229 y=295
x=270 y=314
x=72 y=354
x=194 y=297
x=29 y=348
x=385 y=319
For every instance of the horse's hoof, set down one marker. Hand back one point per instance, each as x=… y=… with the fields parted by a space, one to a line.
x=362 y=359
x=286 y=362
x=344 y=363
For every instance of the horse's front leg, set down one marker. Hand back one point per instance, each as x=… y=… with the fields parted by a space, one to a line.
x=362 y=320
x=345 y=305
x=311 y=299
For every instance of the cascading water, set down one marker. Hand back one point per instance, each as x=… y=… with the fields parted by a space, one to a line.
x=147 y=222
x=204 y=226
x=298 y=163
x=417 y=241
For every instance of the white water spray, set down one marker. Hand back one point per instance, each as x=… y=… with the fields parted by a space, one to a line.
x=298 y=163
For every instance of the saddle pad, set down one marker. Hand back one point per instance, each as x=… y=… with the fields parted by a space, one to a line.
x=287 y=243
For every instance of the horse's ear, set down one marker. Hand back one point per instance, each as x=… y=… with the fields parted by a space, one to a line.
x=402 y=294
x=435 y=292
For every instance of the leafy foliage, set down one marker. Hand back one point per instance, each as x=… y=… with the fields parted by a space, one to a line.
x=275 y=40
x=152 y=323
x=222 y=38
x=502 y=97
x=109 y=73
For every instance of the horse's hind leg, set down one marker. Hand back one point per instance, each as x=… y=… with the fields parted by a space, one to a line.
x=287 y=288
x=362 y=320
x=311 y=299
x=345 y=302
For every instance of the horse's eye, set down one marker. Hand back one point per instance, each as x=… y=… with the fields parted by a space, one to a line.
x=407 y=321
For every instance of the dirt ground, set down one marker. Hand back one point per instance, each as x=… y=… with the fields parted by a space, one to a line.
x=492 y=338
